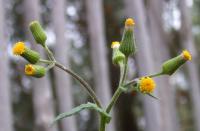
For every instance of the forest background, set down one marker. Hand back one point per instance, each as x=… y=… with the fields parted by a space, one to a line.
x=80 y=33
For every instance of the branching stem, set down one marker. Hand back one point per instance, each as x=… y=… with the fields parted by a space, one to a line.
x=123 y=72
x=81 y=81
x=84 y=84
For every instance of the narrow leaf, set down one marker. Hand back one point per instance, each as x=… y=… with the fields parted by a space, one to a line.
x=78 y=109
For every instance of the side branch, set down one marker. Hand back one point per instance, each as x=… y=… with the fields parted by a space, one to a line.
x=82 y=82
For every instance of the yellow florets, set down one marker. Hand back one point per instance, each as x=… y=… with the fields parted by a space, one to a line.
x=29 y=69
x=147 y=85
x=18 y=48
x=129 y=22
x=186 y=55
x=115 y=44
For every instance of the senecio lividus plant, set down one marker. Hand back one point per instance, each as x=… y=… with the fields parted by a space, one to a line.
x=121 y=53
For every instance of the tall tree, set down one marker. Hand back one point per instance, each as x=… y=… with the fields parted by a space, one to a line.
x=62 y=80
x=193 y=72
x=6 y=122
x=168 y=118
x=145 y=60
x=95 y=21
x=42 y=93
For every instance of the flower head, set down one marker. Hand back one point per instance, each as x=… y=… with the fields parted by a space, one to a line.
x=115 y=44
x=30 y=55
x=129 y=22
x=186 y=55
x=29 y=69
x=127 y=44
x=147 y=85
x=19 y=48
x=117 y=55
x=35 y=70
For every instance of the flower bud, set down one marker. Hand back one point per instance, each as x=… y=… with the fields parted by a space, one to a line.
x=170 y=66
x=38 y=32
x=35 y=70
x=20 y=49
x=146 y=85
x=127 y=46
x=117 y=55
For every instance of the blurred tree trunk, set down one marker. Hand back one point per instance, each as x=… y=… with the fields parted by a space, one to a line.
x=145 y=60
x=62 y=80
x=95 y=21
x=42 y=93
x=168 y=117
x=6 y=122
x=193 y=72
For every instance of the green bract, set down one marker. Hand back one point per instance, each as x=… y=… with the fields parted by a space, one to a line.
x=38 y=33
x=31 y=56
x=171 y=65
x=35 y=70
x=127 y=45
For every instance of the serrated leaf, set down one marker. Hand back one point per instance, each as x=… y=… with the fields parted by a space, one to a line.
x=80 y=108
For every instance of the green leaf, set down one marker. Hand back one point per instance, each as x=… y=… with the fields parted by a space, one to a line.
x=80 y=108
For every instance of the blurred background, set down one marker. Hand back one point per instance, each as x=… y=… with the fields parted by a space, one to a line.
x=80 y=33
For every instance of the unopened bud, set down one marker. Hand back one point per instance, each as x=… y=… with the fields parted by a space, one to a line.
x=117 y=55
x=38 y=32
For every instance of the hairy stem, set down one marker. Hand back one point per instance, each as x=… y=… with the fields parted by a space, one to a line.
x=131 y=82
x=46 y=61
x=82 y=82
x=123 y=72
x=155 y=75
x=102 y=123
x=49 y=53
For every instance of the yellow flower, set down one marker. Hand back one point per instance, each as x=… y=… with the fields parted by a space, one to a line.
x=129 y=22
x=186 y=55
x=115 y=44
x=35 y=70
x=147 y=85
x=30 y=55
x=29 y=69
x=18 y=48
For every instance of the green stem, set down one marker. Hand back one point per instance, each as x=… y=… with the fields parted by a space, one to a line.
x=114 y=99
x=155 y=75
x=49 y=53
x=46 y=61
x=82 y=82
x=102 y=123
x=135 y=80
x=131 y=82
x=123 y=72
x=50 y=66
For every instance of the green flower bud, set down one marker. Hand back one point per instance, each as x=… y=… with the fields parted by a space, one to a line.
x=117 y=56
x=170 y=66
x=128 y=46
x=38 y=32
x=35 y=70
x=30 y=55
